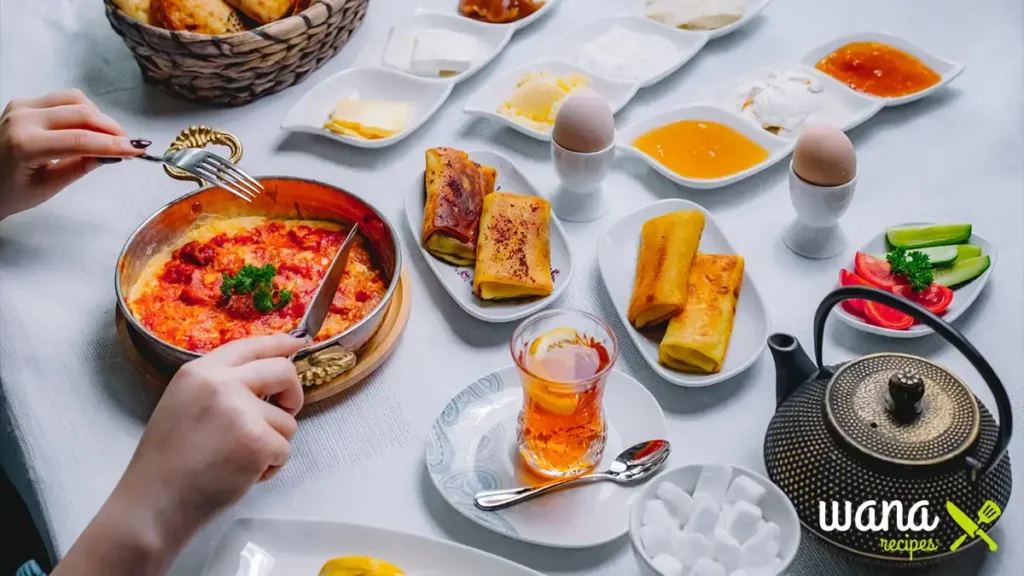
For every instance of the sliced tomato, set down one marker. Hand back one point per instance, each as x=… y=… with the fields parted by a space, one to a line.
x=847 y=278
x=881 y=315
x=875 y=271
x=935 y=298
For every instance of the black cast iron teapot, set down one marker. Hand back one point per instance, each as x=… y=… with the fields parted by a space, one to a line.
x=889 y=456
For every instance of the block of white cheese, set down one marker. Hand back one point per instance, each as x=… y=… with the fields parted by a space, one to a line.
x=438 y=52
x=696 y=14
x=368 y=119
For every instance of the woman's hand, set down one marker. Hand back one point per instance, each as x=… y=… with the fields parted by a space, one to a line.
x=209 y=440
x=49 y=142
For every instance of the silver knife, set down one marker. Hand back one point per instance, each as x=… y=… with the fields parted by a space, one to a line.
x=320 y=305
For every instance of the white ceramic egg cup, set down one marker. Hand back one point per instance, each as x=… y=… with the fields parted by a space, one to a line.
x=581 y=198
x=862 y=106
x=425 y=95
x=815 y=233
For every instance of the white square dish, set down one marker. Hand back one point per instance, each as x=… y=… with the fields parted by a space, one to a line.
x=313 y=110
x=486 y=102
x=963 y=297
x=947 y=69
x=490 y=40
x=778 y=148
x=617 y=254
x=458 y=280
x=687 y=43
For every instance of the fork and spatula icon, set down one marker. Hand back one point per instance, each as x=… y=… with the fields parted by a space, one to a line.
x=988 y=513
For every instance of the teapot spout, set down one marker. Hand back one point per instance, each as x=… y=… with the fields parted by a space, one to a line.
x=793 y=367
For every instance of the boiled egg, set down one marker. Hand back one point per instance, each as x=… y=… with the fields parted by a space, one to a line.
x=584 y=123
x=824 y=156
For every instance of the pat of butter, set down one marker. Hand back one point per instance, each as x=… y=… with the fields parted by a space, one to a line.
x=696 y=14
x=538 y=97
x=439 y=52
x=368 y=119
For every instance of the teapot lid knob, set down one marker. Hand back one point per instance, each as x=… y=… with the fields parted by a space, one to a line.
x=906 y=389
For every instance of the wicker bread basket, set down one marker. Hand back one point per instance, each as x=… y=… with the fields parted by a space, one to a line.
x=235 y=69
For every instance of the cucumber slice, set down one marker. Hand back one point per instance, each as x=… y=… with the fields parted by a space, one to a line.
x=925 y=236
x=965 y=251
x=962 y=271
x=937 y=255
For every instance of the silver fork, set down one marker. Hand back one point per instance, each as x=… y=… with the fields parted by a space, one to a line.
x=212 y=169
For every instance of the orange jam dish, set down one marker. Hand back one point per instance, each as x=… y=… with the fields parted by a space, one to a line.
x=878 y=69
x=701 y=149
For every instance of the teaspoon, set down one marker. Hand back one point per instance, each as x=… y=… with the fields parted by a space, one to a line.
x=635 y=463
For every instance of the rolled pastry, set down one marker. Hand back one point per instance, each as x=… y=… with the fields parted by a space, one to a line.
x=667 y=246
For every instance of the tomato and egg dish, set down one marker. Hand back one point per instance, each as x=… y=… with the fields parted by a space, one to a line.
x=238 y=277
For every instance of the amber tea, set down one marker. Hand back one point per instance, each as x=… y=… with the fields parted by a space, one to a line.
x=564 y=358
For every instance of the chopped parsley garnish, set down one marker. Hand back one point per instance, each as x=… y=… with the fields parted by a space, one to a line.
x=915 y=266
x=260 y=283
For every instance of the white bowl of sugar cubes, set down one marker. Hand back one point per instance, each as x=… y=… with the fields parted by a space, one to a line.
x=713 y=520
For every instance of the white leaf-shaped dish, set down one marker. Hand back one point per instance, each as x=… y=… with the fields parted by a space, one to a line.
x=486 y=102
x=452 y=7
x=861 y=107
x=617 y=254
x=458 y=280
x=314 y=108
x=947 y=69
x=778 y=148
x=687 y=44
x=491 y=40
x=963 y=297
x=754 y=7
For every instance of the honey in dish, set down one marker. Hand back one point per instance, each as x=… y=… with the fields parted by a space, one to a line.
x=878 y=69
x=561 y=428
x=701 y=149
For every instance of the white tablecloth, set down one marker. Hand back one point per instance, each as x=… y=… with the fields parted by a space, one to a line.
x=73 y=409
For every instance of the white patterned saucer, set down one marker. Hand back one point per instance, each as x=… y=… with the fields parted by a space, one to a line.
x=472 y=447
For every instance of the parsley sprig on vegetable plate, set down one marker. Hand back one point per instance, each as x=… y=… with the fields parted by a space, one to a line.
x=914 y=266
x=260 y=283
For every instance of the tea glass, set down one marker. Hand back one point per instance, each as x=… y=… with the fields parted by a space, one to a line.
x=561 y=431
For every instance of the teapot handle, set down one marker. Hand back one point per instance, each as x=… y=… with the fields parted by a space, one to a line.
x=943 y=328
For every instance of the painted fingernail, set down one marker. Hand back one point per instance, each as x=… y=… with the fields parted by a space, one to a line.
x=108 y=160
x=141 y=143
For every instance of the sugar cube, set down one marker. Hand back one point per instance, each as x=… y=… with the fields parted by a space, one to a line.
x=707 y=567
x=743 y=522
x=714 y=481
x=656 y=540
x=758 y=553
x=766 y=531
x=743 y=488
x=771 y=569
x=677 y=501
x=703 y=517
x=656 y=514
x=689 y=547
x=667 y=565
x=726 y=549
x=740 y=572
x=723 y=516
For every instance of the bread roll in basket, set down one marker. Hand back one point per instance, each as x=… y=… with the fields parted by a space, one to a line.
x=222 y=53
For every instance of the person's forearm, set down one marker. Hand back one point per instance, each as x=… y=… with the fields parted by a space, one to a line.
x=127 y=537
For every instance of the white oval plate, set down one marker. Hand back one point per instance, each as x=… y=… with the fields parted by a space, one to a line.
x=687 y=43
x=754 y=7
x=487 y=100
x=265 y=546
x=947 y=69
x=861 y=107
x=775 y=505
x=458 y=280
x=617 y=254
x=313 y=110
x=963 y=297
x=472 y=447
x=452 y=7
x=492 y=40
x=778 y=148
